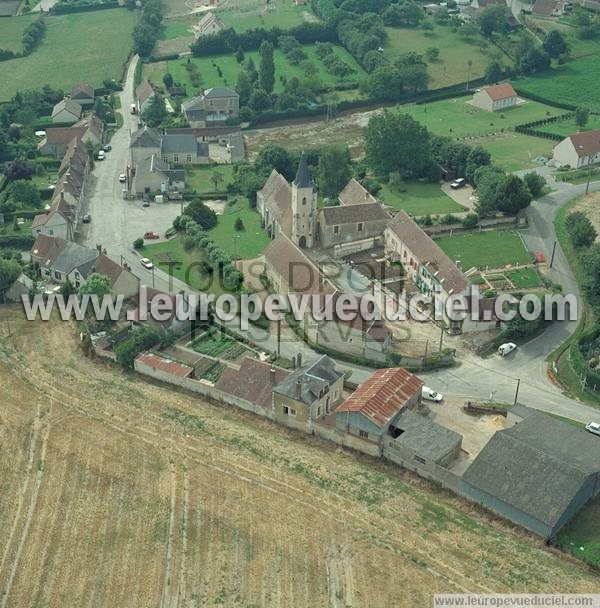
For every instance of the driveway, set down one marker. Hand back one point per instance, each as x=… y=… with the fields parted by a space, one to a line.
x=116 y=223
x=463 y=196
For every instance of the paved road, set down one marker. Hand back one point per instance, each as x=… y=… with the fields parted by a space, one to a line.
x=116 y=223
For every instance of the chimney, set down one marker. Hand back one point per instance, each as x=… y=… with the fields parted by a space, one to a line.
x=272 y=375
x=298 y=389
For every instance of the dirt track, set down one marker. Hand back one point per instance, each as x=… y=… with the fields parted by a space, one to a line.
x=119 y=493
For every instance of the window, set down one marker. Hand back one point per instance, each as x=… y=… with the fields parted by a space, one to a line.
x=319 y=412
x=304 y=200
x=360 y=226
x=175 y=158
x=188 y=158
x=363 y=434
x=50 y=232
x=421 y=460
x=336 y=230
x=288 y=411
x=57 y=275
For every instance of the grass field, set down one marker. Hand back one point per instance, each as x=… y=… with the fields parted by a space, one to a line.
x=285 y=15
x=525 y=278
x=458 y=118
x=493 y=249
x=452 y=66
x=420 y=199
x=133 y=494
x=568 y=127
x=514 y=151
x=11 y=32
x=575 y=82
x=230 y=69
x=173 y=29
x=82 y=47
x=582 y=536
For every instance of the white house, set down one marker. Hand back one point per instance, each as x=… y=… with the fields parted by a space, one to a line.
x=496 y=97
x=578 y=150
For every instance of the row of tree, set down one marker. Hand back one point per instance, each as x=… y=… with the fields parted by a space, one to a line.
x=147 y=28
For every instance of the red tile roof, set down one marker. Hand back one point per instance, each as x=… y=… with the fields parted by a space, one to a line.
x=586 y=143
x=165 y=365
x=382 y=395
x=500 y=91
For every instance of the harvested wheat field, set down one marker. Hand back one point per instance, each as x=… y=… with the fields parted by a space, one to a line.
x=119 y=493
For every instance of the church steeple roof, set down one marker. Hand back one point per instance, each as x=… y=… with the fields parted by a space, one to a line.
x=303 y=178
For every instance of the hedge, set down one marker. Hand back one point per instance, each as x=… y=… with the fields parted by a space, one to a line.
x=18 y=242
x=545 y=100
x=578 y=361
x=63 y=9
x=528 y=128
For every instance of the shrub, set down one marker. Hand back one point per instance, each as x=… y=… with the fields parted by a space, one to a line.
x=470 y=221
x=138 y=243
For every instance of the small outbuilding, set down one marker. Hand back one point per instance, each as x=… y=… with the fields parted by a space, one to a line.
x=496 y=97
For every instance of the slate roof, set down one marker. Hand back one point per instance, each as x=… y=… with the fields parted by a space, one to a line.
x=69 y=105
x=293 y=266
x=586 y=143
x=173 y=368
x=303 y=178
x=353 y=214
x=500 y=91
x=425 y=437
x=179 y=144
x=254 y=381
x=219 y=93
x=312 y=381
x=429 y=253
x=354 y=193
x=64 y=256
x=382 y=395
x=152 y=164
x=537 y=466
x=145 y=138
x=82 y=90
x=277 y=196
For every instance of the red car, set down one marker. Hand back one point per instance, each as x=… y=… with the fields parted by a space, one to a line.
x=151 y=235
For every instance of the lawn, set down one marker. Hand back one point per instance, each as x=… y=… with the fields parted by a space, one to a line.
x=230 y=69
x=452 y=65
x=187 y=265
x=420 y=199
x=172 y=29
x=11 y=32
x=525 y=278
x=8 y=229
x=493 y=249
x=80 y=47
x=197 y=178
x=575 y=82
x=582 y=536
x=247 y=243
x=458 y=118
x=515 y=151
x=285 y=16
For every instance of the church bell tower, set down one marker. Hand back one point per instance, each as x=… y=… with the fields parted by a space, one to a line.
x=304 y=206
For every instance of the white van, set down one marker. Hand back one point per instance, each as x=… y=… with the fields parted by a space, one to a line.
x=101 y=155
x=132 y=108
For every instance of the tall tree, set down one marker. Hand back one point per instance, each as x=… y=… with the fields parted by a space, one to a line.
x=243 y=88
x=555 y=44
x=397 y=142
x=9 y=272
x=266 y=74
x=334 y=170
x=156 y=112
x=581 y=116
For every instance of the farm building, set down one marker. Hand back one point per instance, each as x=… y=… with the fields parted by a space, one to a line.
x=539 y=473
x=371 y=411
x=209 y=25
x=496 y=97
x=66 y=111
x=83 y=94
x=578 y=150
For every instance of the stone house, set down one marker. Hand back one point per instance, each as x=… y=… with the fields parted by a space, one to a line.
x=354 y=193
x=183 y=149
x=57 y=139
x=83 y=94
x=154 y=175
x=144 y=143
x=309 y=393
x=209 y=25
x=579 y=150
x=496 y=97
x=430 y=268
x=66 y=111
x=144 y=95
x=213 y=106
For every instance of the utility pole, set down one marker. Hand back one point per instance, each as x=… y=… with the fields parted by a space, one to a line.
x=553 y=252
x=426 y=346
x=279 y=337
x=517 y=391
x=152 y=277
x=587 y=186
x=441 y=338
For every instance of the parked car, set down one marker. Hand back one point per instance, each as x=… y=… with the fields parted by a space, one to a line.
x=101 y=155
x=151 y=235
x=145 y=203
x=132 y=108
x=146 y=263
x=593 y=427
x=87 y=218
x=458 y=183
x=107 y=147
x=505 y=349
x=431 y=395
x=122 y=178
